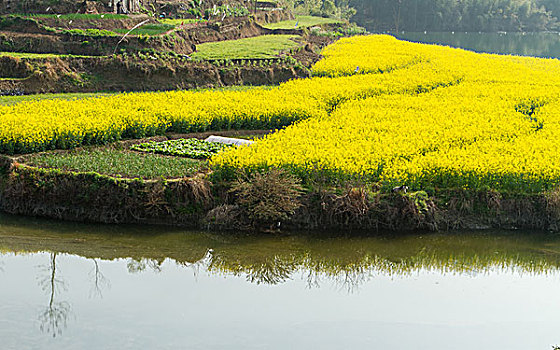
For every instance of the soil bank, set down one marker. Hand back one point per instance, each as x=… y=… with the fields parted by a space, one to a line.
x=205 y=201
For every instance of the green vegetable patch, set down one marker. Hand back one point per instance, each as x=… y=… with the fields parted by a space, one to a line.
x=191 y=148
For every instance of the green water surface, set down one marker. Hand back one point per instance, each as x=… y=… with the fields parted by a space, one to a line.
x=522 y=44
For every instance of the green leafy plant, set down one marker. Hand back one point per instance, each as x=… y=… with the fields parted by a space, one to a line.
x=118 y=162
x=89 y=32
x=191 y=148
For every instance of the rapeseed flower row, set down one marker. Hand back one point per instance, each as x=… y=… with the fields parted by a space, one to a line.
x=36 y=126
x=42 y=125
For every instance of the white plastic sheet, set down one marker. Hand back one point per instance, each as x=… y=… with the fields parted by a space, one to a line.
x=228 y=140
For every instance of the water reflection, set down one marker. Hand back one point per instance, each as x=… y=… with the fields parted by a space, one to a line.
x=54 y=318
x=99 y=281
x=353 y=261
x=348 y=261
x=524 y=44
x=118 y=279
x=140 y=265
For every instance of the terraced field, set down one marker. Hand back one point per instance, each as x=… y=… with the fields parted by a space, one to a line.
x=379 y=109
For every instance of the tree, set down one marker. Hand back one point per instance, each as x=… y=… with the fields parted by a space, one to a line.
x=464 y=15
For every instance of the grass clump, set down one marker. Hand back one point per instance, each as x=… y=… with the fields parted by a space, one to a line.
x=268 y=197
x=75 y=16
x=265 y=46
x=93 y=32
x=38 y=55
x=118 y=162
x=179 y=21
x=191 y=148
x=301 y=22
x=148 y=29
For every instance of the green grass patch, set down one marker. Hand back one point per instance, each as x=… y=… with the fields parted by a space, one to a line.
x=301 y=22
x=265 y=46
x=148 y=29
x=17 y=79
x=191 y=148
x=38 y=55
x=76 y=16
x=89 y=32
x=119 y=162
x=11 y=100
x=236 y=88
x=179 y=21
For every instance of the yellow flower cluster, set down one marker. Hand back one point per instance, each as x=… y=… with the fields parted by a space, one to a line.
x=350 y=56
x=497 y=126
x=36 y=126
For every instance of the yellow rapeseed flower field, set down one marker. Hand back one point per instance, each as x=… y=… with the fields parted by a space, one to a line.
x=377 y=109
x=497 y=126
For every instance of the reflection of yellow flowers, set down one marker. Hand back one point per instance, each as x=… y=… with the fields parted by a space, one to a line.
x=499 y=127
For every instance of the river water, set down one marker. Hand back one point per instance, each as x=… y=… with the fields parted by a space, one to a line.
x=523 y=44
x=80 y=286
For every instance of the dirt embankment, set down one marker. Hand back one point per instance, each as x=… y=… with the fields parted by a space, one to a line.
x=95 y=23
x=71 y=74
x=11 y=67
x=230 y=28
x=46 y=25
x=273 y=16
x=27 y=36
x=77 y=44
x=173 y=8
x=50 y=6
x=197 y=202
